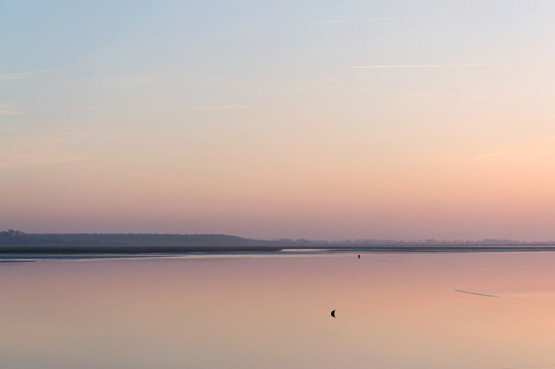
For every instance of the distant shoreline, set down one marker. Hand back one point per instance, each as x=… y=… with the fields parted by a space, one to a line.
x=10 y=251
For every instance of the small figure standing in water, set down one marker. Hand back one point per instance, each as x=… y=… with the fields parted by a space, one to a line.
x=359 y=256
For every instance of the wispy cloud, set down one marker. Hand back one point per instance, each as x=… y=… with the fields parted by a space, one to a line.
x=8 y=76
x=352 y=20
x=125 y=82
x=36 y=158
x=41 y=150
x=377 y=19
x=6 y=109
x=224 y=107
x=336 y=21
x=531 y=367
x=425 y=66
x=324 y=87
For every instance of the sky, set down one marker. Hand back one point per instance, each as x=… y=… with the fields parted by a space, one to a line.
x=327 y=120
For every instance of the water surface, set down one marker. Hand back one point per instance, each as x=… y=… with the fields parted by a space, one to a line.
x=270 y=311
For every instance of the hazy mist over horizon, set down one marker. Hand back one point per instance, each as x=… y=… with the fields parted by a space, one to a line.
x=206 y=238
x=400 y=120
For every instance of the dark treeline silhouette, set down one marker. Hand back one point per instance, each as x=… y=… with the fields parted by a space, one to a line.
x=15 y=241
x=13 y=237
x=19 y=243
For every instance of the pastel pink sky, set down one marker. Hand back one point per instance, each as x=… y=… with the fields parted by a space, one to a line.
x=399 y=120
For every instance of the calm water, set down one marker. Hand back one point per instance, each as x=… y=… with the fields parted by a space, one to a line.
x=393 y=311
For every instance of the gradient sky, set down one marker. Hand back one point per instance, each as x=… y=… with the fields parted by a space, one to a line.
x=325 y=120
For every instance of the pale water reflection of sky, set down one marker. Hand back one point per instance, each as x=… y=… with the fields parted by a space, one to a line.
x=392 y=311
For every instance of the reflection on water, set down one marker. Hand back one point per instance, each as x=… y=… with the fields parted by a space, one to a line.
x=392 y=311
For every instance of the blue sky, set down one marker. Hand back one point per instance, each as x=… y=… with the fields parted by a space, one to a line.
x=385 y=119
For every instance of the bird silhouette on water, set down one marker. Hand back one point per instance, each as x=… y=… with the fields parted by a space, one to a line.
x=333 y=313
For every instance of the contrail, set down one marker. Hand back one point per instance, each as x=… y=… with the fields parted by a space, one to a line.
x=475 y=293
x=424 y=66
x=7 y=76
x=532 y=367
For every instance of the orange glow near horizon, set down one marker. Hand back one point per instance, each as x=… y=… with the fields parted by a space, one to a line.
x=368 y=120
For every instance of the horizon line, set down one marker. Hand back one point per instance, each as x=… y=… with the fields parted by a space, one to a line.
x=430 y=241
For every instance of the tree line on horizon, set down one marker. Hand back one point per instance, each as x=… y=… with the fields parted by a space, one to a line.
x=16 y=237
